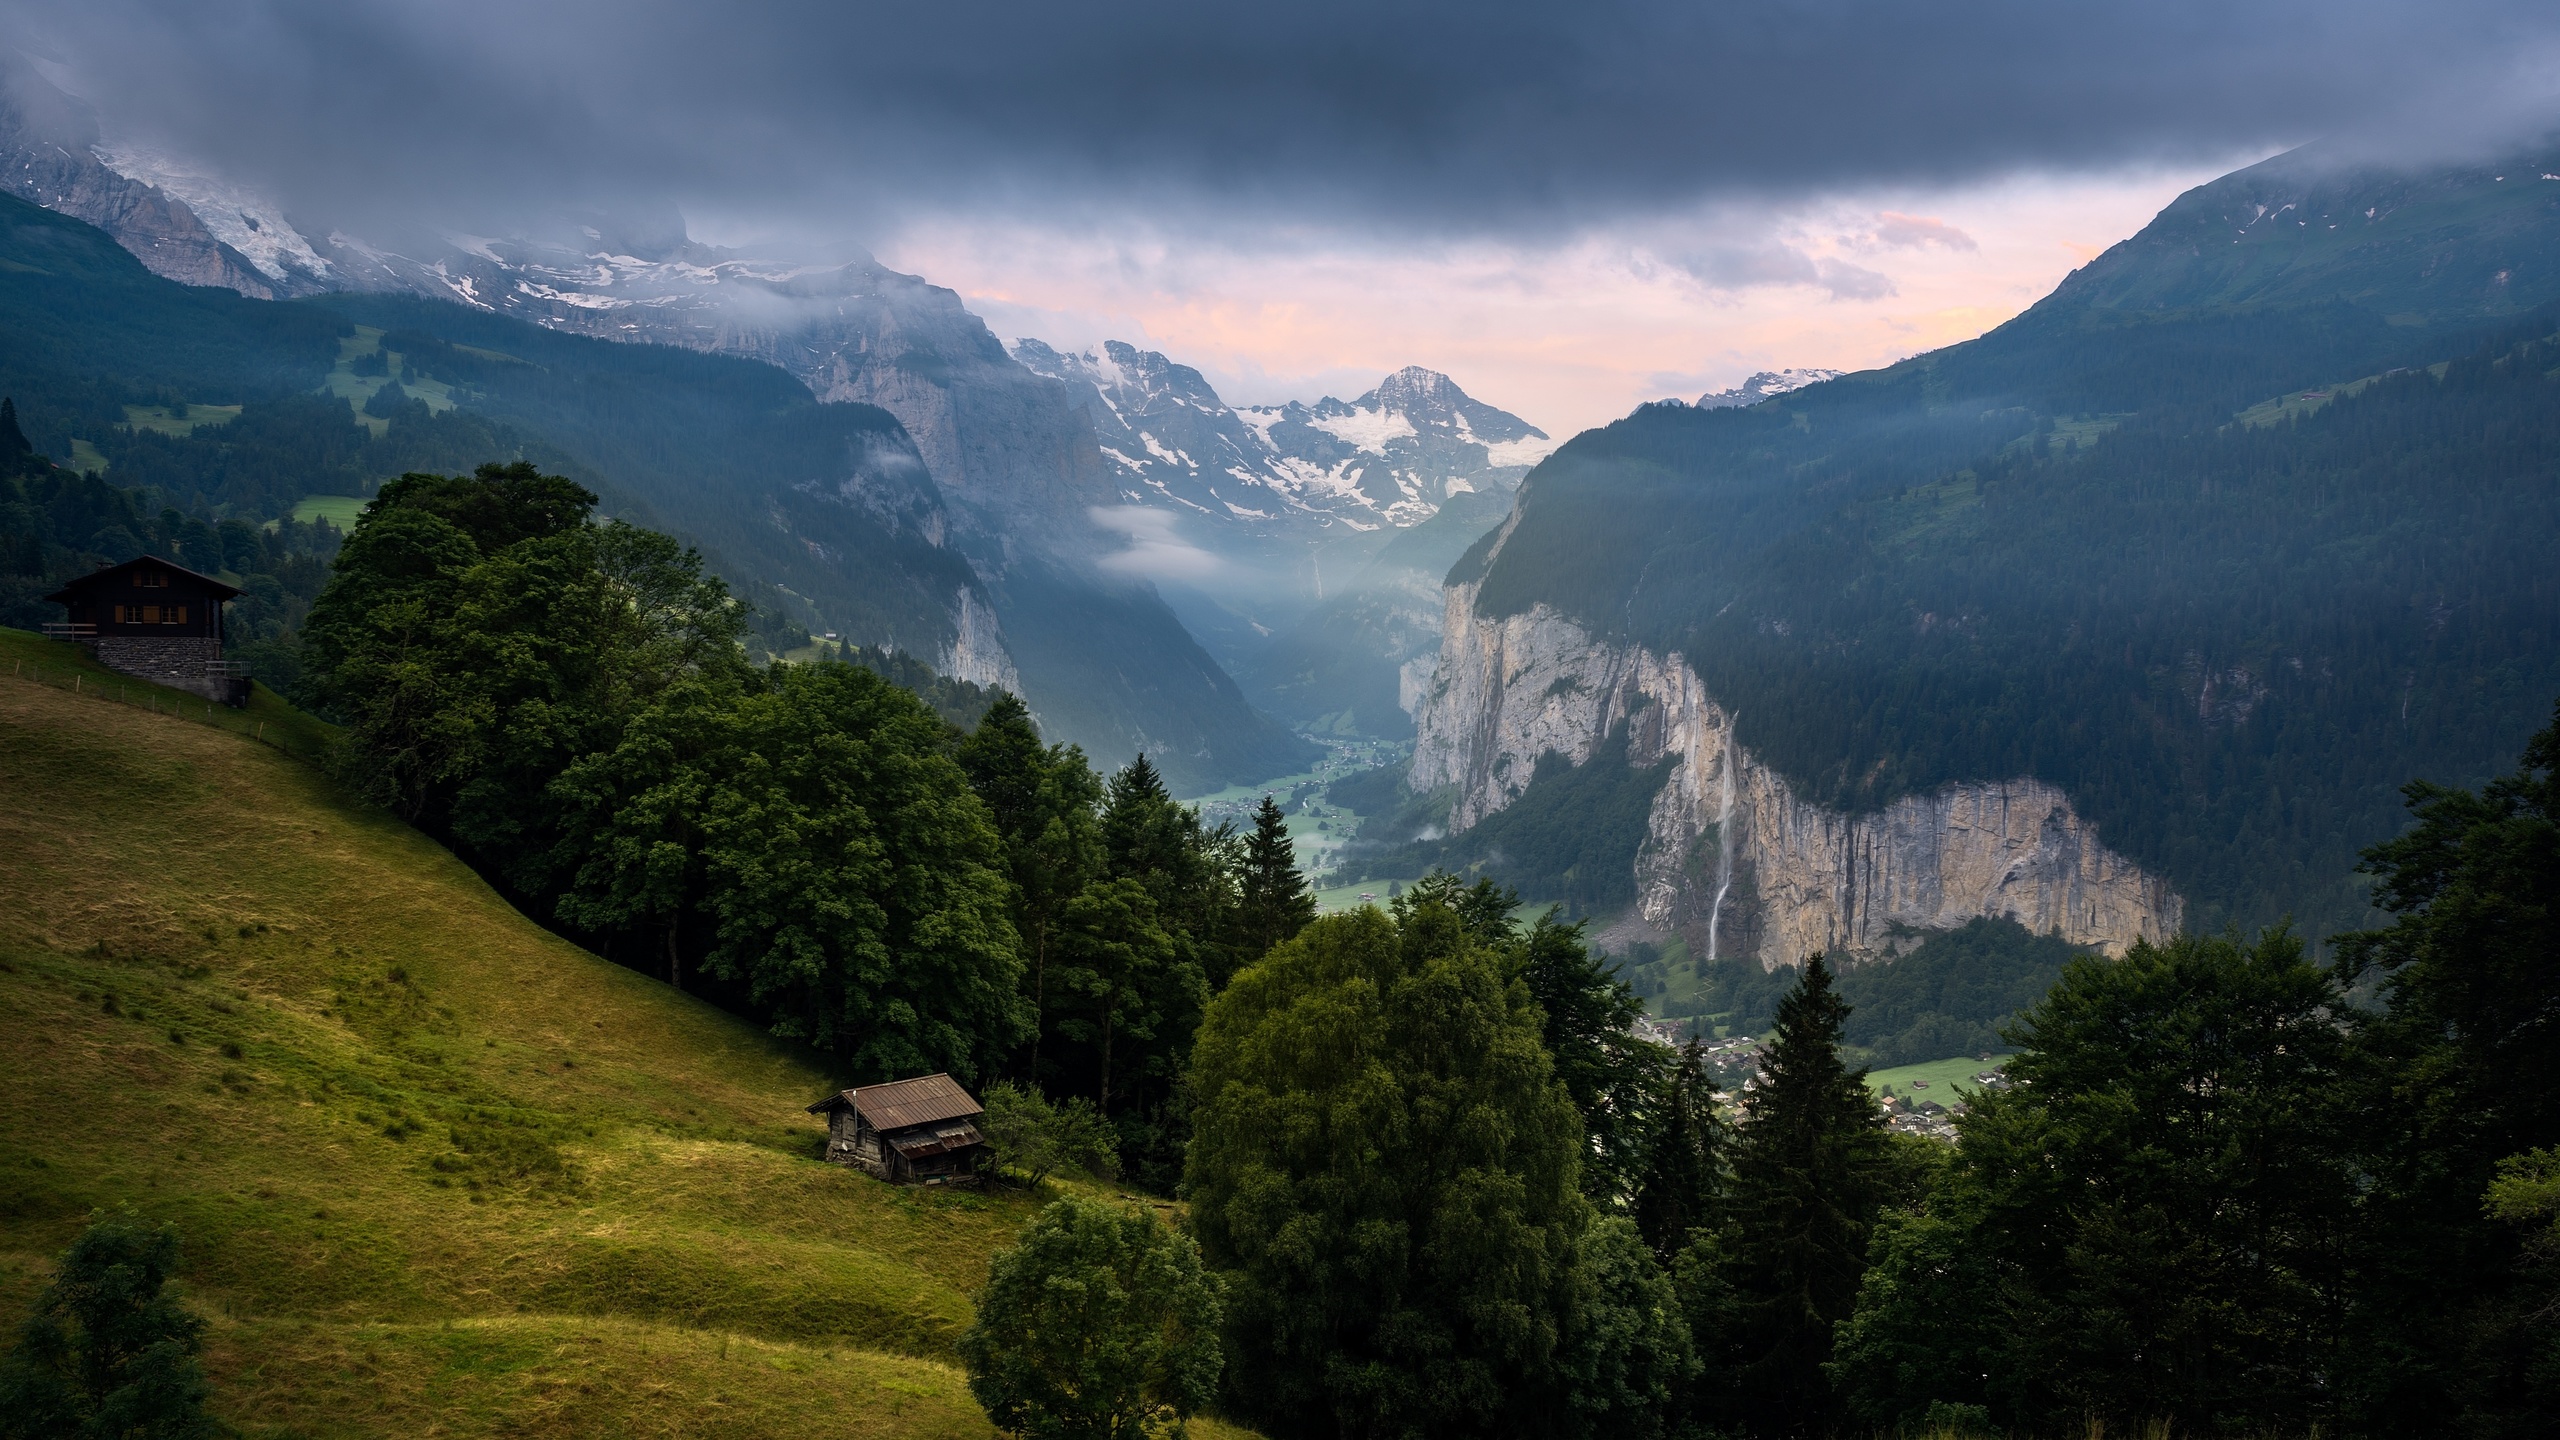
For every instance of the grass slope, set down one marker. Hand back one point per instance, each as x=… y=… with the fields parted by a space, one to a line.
x=435 y=1167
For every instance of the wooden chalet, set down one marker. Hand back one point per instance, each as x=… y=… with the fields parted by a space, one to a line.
x=909 y=1132
x=156 y=620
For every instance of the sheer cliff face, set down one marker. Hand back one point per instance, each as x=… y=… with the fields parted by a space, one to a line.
x=1011 y=450
x=48 y=156
x=1800 y=879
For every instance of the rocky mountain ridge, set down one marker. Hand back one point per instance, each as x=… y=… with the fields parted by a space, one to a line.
x=49 y=156
x=1389 y=459
x=1008 y=458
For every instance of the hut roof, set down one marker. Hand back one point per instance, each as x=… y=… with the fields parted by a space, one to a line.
x=100 y=576
x=947 y=1139
x=925 y=1100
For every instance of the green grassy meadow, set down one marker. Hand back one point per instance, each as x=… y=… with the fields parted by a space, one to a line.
x=267 y=719
x=341 y=511
x=179 y=419
x=1946 y=1078
x=1347 y=897
x=437 y=1170
x=355 y=389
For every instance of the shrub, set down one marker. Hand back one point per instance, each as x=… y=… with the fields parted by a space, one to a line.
x=108 y=1351
x=1039 y=1138
x=1102 y=1324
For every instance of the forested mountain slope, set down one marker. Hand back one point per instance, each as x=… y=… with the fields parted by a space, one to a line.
x=2204 y=544
x=216 y=400
x=823 y=515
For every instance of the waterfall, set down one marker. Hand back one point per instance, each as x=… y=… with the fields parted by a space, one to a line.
x=1724 y=844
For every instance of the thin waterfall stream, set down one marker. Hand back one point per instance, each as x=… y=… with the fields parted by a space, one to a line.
x=1724 y=846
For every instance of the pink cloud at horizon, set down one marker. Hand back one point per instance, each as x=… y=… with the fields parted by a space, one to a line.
x=1568 y=335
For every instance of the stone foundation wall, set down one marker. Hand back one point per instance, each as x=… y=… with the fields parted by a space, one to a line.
x=179 y=662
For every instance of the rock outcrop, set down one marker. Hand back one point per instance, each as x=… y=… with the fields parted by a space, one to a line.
x=1793 y=878
x=48 y=156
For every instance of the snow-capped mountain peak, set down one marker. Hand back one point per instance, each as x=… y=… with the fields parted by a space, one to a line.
x=1390 y=458
x=1763 y=386
x=244 y=221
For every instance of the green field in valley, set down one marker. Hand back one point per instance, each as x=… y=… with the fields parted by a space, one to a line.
x=341 y=511
x=178 y=419
x=1934 y=1079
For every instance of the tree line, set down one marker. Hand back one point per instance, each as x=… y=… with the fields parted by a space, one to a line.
x=1436 y=1191
x=569 y=704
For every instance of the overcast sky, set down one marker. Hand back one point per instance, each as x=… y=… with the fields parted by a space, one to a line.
x=1623 y=197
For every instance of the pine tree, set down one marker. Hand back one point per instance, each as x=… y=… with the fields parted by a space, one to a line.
x=2468 y=1052
x=1142 y=827
x=1683 y=1182
x=1277 y=903
x=1046 y=804
x=1812 y=1170
x=13 y=441
x=1612 y=1076
x=1005 y=765
x=1151 y=940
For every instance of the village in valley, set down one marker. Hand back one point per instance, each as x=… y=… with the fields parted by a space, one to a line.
x=1917 y=1099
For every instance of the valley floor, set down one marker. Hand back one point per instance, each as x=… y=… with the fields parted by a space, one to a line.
x=438 y=1172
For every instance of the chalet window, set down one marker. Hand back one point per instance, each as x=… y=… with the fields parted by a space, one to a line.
x=174 y=615
x=149 y=580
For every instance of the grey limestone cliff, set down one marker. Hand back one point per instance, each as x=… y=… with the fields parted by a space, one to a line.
x=1792 y=878
x=48 y=156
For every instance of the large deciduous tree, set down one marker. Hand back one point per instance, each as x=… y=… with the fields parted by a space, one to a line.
x=480 y=634
x=569 y=703
x=855 y=886
x=1386 y=1167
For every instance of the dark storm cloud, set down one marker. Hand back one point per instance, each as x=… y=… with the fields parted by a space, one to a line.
x=1443 y=117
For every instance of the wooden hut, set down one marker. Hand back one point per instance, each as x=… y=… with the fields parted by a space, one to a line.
x=910 y=1132
x=156 y=620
